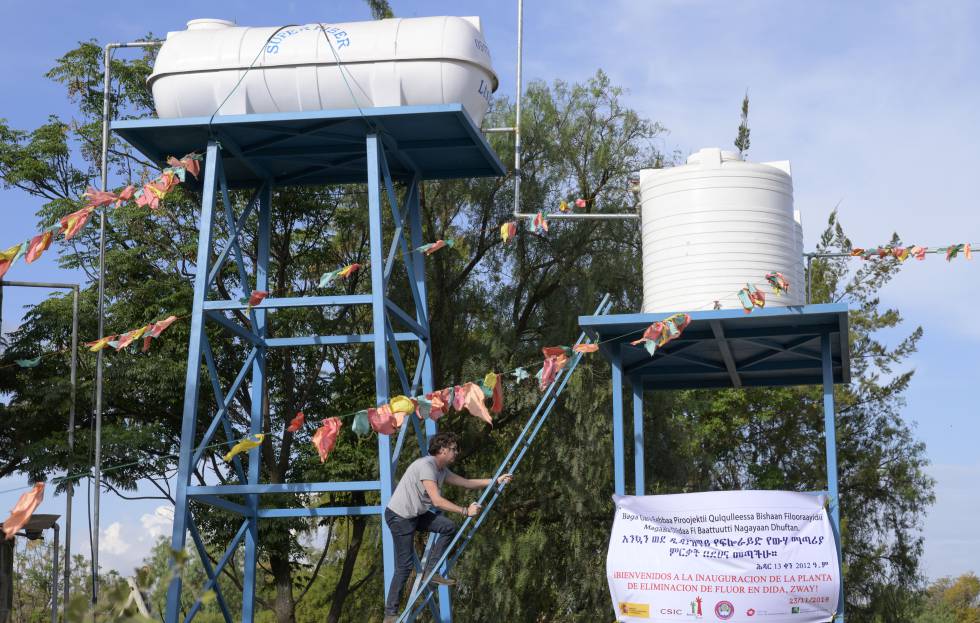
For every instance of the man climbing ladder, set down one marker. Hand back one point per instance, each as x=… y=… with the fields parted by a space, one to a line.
x=414 y=507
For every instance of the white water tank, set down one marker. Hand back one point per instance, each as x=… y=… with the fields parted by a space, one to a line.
x=391 y=62
x=714 y=224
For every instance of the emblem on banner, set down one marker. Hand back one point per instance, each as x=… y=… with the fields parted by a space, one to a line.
x=635 y=610
x=724 y=610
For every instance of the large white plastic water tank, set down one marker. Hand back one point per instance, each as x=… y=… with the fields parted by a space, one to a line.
x=714 y=224
x=391 y=62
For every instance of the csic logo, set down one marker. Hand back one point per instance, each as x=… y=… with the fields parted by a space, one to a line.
x=724 y=610
x=671 y=611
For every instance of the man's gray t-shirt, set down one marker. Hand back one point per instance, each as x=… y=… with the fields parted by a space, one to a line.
x=410 y=498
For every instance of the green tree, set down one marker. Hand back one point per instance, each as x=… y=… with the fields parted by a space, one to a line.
x=743 y=139
x=951 y=600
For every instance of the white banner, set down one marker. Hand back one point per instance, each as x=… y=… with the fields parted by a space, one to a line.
x=739 y=556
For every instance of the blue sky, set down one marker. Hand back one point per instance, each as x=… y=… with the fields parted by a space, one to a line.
x=874 y=103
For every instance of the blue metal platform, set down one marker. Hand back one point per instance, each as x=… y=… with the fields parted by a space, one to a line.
x=728 y=348
x=324 y=146
x=774 y=346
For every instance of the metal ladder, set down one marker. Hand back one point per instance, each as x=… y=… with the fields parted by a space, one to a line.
x=422 y=592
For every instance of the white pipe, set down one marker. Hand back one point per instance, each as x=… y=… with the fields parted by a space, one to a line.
x=107 y=58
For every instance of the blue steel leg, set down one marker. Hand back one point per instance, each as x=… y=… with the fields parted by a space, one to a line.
x=830 y=438
x=638 y=460
x=380 y=348
x=189 y=424
x=258 y=404
x=619 y=454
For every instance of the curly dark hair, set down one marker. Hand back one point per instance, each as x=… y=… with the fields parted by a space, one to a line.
x=442 y=440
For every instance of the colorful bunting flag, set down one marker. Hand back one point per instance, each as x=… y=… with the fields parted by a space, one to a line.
x=520 y=374
x=580 y=203
x=967 y=251
x=585 y=348
x=130 y=336
x=555 y=358
x=458 y=398
x=539 y=224
x=74 y=222
x=651 y=335
x=155 y=330
x=751 y=297
x=190 y=163
x=777 y=282
x=325 y=437
x=21 y=513
x=100 y=343
x=296 y=423
x=508 y=231
x=382 y=420
x=472 y=401
x=439 y=402
x=361 y=426
x=952 y=251
x=38 y=245
x=403 y=405
x=253 y=299
x=432 y=247
x=8 y=257
x=341 y=273
x=563 y=206
x=662 y=332
x=498 y=396
x=246 y=444
x=28 y=363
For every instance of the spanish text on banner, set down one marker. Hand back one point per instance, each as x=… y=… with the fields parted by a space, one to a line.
x=739 y=556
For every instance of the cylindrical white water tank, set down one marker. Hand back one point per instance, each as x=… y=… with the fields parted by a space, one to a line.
x=713 y=225
x=391 y=62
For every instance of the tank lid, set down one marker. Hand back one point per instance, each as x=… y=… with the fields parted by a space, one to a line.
x=713 y=155
x=209 y=23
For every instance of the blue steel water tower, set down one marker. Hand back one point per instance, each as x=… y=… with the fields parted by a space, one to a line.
x=259 y=152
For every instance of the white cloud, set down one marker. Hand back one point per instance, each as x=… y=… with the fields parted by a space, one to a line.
x=112 y=540
x=159 y=523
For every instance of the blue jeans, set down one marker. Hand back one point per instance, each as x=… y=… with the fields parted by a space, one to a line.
x=403 y=533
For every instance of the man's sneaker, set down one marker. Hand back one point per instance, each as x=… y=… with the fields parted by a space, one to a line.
x=390 y=618
x=442 y=580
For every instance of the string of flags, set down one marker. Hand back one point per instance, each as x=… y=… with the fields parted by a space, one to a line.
x=471 y=397
x=903 y=253
x=149 y=194
x=148 y=332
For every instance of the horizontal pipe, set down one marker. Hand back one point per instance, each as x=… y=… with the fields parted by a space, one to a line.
x=495 y=130
x=135 y=44
x=39 y=284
